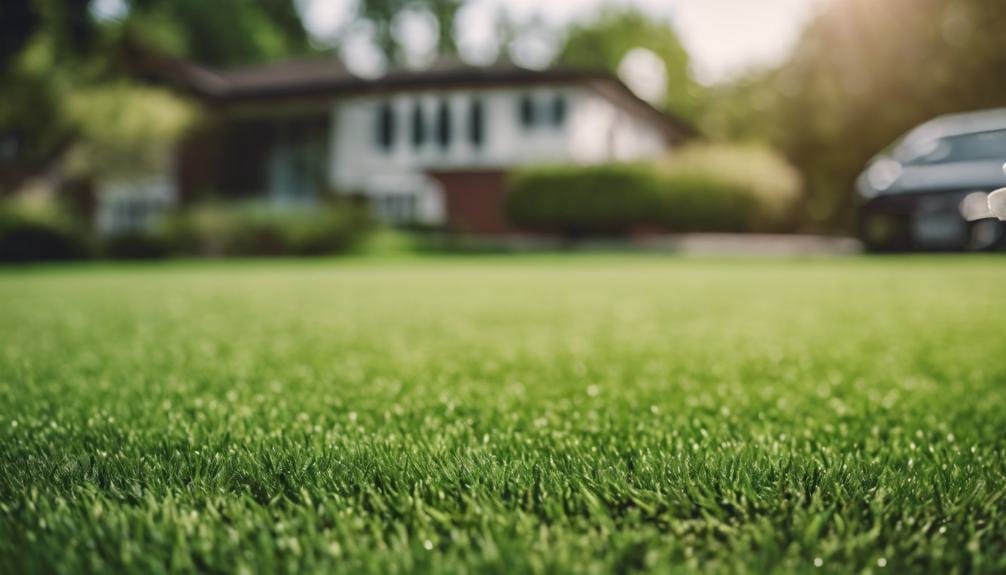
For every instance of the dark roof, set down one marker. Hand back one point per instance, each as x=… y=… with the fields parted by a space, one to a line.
x=279 y=78
x=328 y=77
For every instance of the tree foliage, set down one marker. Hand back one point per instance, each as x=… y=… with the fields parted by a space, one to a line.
x=382 y=14
x=864 y=73
x=124 y=130
x=31 y=113
x=65 y=97
x=221 y=32
x=18 y=20
x=603 y=43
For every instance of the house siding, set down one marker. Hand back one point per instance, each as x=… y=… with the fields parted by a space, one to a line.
x=592 y=130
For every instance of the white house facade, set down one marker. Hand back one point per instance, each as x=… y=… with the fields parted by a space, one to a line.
x=429 y=147
x=408 y=135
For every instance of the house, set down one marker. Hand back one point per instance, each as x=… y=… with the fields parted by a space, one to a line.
x=429 y=147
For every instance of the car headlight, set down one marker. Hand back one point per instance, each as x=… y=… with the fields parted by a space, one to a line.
x=881 y=175
x=975 y=206
x=997 y=204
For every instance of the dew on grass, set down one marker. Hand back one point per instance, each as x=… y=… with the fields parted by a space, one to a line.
x=598 y=478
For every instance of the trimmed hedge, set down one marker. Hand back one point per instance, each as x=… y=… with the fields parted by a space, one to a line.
x=35 y=230
x=581 y=201
x=253 y=229
x=731 y=188
x=699 y=189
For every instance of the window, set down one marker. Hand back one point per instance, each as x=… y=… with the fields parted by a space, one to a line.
x=295 y=159
x=418 y=125
x=386 y=126
x=444 y=124
x=133 y=213
x=526 y=111
x=395 y=208
x=476 y=123
x=539 y=111
x=558 y=110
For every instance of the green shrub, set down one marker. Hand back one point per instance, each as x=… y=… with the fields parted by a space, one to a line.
x=700 y=188
x=701 y=202
x=729 y=188
x=576 y=201
x=34 y=230
x=253 y=229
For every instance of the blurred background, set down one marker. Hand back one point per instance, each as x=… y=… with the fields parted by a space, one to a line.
x=151 y=128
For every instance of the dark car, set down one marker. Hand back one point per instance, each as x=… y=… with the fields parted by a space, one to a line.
x=929 y=191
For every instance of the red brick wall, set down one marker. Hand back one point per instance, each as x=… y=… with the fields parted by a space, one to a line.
x=474 y=200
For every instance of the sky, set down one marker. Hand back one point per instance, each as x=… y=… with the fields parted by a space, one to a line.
x=724 y=37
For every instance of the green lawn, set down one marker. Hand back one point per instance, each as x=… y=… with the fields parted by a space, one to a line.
x=510 y=414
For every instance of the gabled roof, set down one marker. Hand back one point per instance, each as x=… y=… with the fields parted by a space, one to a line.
x=330 y=78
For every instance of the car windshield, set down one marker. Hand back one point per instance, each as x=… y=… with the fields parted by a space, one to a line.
x=964 y=148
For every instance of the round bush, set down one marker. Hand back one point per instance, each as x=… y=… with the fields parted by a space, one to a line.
x=729 y=188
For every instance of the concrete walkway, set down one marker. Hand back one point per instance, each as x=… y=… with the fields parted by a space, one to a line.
x=755 y=244
x=780 y=245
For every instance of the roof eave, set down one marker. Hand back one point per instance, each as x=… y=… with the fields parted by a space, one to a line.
x=215 y=87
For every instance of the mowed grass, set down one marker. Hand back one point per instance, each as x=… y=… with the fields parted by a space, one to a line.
x=511 y=414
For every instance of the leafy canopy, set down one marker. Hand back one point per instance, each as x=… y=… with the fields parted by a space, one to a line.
x=604 y=43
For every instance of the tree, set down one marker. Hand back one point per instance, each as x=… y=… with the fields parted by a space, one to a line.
x=124 y=130
x=605 y=42
x=44 y=44
x=221 y=32
x=67 y=102
x=382 y=14
x=18 y=21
